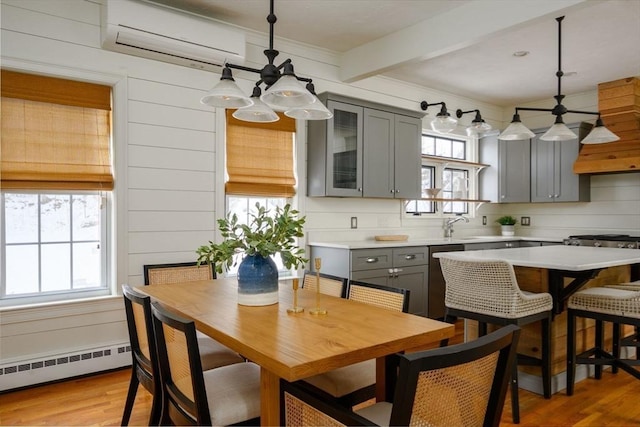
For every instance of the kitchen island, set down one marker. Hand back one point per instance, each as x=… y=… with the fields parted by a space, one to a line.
x=561 y=271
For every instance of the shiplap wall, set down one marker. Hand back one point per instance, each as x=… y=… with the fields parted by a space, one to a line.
x=166 y=176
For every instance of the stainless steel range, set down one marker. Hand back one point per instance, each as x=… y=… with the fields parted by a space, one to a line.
x=604 y=240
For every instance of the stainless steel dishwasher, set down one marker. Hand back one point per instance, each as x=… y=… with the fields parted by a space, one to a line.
x=435 y=284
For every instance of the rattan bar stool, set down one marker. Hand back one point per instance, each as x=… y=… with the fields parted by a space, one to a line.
x=632 y=340
x=604 y=304
x=487 y=291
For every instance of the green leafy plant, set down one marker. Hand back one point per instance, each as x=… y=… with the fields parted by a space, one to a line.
x=506 y=220
x=265 y=235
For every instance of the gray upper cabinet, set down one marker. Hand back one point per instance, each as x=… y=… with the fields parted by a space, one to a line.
x=552 y=177
x=507 y=180
x=365 y=150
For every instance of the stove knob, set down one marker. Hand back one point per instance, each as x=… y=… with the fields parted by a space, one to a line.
x=597 y=244
x=631 y=245
x=576 y=243
x=621 y=245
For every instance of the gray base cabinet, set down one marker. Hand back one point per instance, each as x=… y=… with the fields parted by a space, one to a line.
x=404 y=267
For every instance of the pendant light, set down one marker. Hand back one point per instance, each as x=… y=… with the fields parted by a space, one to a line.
x=312 y=111
x=257 y=112
x=284 y=92
x=478 y=125
x=443 y=122
x=559 y=131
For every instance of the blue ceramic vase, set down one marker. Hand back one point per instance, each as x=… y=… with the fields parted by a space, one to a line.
x=257 y=281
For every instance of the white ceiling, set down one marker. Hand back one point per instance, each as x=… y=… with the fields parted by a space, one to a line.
x=463 y=47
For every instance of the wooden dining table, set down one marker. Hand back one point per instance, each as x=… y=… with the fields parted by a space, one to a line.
x=294 y=346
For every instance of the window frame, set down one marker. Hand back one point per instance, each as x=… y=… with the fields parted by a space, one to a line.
x=117 y=270
x=440 y=164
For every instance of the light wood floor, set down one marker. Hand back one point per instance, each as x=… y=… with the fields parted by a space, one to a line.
x=98 y=401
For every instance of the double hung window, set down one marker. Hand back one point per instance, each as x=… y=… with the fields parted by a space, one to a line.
x=56 y=187
x=446 y=176
x=260 y=164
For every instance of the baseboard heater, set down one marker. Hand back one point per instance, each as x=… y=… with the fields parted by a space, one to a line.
x=54 y=368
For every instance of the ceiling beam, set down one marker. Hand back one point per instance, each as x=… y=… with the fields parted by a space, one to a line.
x=464 y=26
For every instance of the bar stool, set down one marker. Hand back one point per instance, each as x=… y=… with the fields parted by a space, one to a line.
x=488 y=291
x=604 y=304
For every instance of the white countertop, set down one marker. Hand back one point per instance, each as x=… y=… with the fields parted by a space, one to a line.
x=556 y=257
x=368 y=244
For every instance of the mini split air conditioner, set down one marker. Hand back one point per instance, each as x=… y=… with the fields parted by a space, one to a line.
x=156 y=32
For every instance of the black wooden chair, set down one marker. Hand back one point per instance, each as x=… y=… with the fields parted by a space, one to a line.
x=329 y=285
x=461 y=385
x=213 y=353
x=144 y=366
x=222 y=396
x=356 y=383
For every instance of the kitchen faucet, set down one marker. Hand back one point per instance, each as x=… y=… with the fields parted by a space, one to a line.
x=448 y=227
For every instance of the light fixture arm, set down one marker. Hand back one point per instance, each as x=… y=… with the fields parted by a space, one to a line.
x=516 y=130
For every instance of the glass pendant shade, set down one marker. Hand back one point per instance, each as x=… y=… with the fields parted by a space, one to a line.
x=443 y=123
x=314 y=111
x=559 y=132
x=226 y=94
x=600 y=135
x=516 y=131
x=287 y=92
x=258 y=112
x=478 y=127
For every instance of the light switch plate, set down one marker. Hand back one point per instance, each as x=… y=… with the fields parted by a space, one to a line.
x=525 y=221
x=354 y=222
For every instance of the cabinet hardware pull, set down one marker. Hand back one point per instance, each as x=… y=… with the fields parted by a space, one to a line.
x=372 y=260
x=409 y=257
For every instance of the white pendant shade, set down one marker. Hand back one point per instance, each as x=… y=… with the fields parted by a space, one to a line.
x=287 y=93
x=516 y=131
x=258 y=112
x=314 y=111
x=600 y=135
x=559 y=132
x=443 y=124
x=226 y=94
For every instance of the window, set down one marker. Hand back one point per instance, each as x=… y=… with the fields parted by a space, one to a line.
x=261 y=169
x=444 y=167
x=56 y=181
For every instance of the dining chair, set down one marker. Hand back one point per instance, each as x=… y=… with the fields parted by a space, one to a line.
x=213 y=353
x=177 y=272
x=144 y=364
x=487 y=291
x=618 y=304
x=356 y=383
x=460 y=385
x=190 y=396
x=329 y=285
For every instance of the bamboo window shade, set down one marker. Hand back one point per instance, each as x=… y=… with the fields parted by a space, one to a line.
x=56 y=133
x=260 y=157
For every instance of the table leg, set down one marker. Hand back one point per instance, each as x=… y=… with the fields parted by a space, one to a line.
x=269 y=398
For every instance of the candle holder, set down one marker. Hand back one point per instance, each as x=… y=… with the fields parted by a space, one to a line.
x=295 y=308
x=318 y=310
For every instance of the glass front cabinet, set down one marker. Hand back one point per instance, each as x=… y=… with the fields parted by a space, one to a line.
x=365 y=150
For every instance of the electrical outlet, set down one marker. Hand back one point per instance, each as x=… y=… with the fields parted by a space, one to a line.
x=525 y=221
x=484 y=220
x=354 y=222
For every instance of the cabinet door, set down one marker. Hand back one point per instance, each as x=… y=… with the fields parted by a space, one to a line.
x=570 y=187
x=344 y=150
x=413 y=278
x=379 y=130
x=507 y=180
x=407 y=157
x=543 y=169
x=514 y=166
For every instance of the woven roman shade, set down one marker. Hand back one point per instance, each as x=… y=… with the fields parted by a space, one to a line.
x=55 y=134
x=260 y=157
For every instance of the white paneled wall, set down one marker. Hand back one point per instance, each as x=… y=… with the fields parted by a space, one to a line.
x=166 y=176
